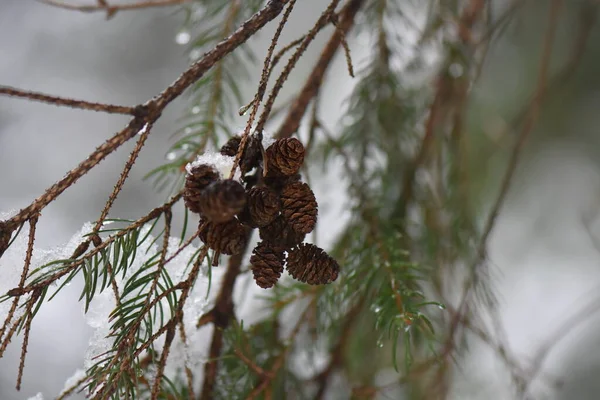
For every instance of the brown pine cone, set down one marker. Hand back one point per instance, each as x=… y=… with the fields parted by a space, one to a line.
x=222 y=200
x=267 y=265
x=226 y=238
x=195 y=182
x=231 y=147
x=299 y=206
x=280 y=235
x=277 y=183
x=284 y=157
x=262 y=207
x=311 y=264
x=252 y=153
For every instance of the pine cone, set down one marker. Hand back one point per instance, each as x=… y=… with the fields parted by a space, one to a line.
x=252 y=153
x=267 y=265
x=280 y=235
x=311 y=264
x=285 y=157
x=299 y=207
x=195 y=182
x=277 y=183
x=262 y=207
x=226 y=238
x=231 y=147
x=222 y=200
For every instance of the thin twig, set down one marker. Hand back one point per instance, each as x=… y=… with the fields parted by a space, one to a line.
x=531 y=118
x=222 y=313
x=111 y=10
x=315 y=80
x=334 y=21
x=163 y=361
x=28 y=318
x=188 y=372
x=262 y=86
x=322 y=21
x=69 y=391
x=67 y=102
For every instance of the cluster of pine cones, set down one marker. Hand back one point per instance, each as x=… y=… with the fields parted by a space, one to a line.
x=273 y=199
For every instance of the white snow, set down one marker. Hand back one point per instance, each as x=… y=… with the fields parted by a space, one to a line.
x=73 y=379
x=38 y=396
x=13 y=260
x=223 y=164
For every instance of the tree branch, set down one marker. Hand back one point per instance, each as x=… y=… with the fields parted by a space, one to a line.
x=221 y=316
x=111 y=10
x=315 y=80
x=149 y=112
x=67 y=102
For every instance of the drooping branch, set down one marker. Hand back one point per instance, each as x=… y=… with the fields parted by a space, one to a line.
x=150 y=111
x=315 y=80
x=111 y=10
x=67 y=102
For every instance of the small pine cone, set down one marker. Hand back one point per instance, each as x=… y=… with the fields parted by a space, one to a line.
x=299 y=206
x=277 y=183
x=252 y=153
x=311 y=264
x=267 y=265
x=226 y=238
x=195 y=182
x=231 y=147
x=279 y=234
x=262 y=207
x=285 y=157
x=222 y=200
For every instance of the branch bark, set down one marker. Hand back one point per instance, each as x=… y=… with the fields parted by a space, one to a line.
x=315 y=80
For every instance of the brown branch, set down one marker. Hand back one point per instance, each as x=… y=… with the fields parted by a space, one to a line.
x=315 y=80
x=531 y=118
x=337 y=354
x=163 y=361
x=69 y=391
x=262 y=86
x=123 y=353
x=66 y=102
x=153 y=214
x=251 y=364
x=188 y=372
x=149 y=112
x=222 y=313
x=28 y=255
x=28 y=315
x=321 y=22
x=111 y=10
x=268 y=376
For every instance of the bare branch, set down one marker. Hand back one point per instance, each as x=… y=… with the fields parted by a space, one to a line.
x=315 y=80
x=67 y=102
x=111 y=10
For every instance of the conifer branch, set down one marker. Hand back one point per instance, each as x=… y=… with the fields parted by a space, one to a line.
x=221 y=313
x=67 y=102
x=111 y=10
x=322 y=21
x=315 y=80
x=532 y=115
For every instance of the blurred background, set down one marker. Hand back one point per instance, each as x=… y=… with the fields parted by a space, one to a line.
x=544 y=251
